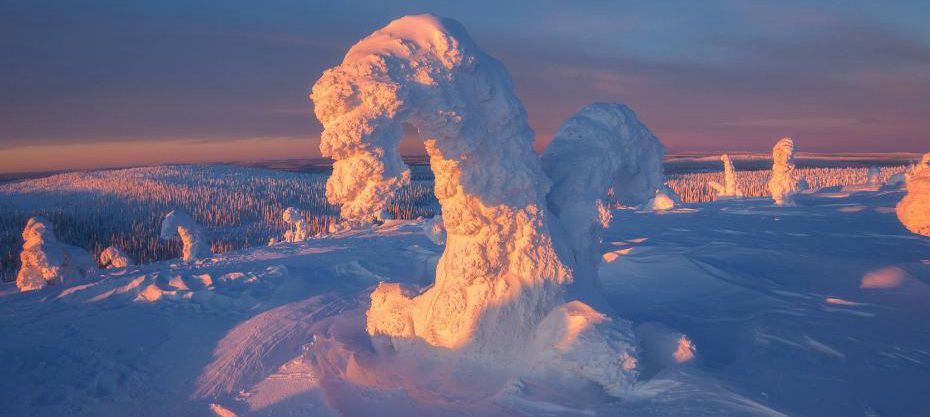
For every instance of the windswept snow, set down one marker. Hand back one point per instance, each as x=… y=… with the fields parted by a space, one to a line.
x=46 y=261
x=178 y=223
x=914 y=209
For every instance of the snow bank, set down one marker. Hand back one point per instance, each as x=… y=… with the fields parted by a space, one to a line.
x=297 y=226
x=784 y=181
x=914 y=209
x=114 y=257
x=195 y=243
x=46 y=261
x=499 y=275
x=729 y=189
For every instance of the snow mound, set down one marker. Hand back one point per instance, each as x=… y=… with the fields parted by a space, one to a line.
x=662 y=201
x=114 y=257
x=192 y=237
x=784 y=182
x=914 y=209
x=500 y=275
x=46 y=261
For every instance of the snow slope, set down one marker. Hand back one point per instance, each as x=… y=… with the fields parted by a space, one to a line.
x=741 y=308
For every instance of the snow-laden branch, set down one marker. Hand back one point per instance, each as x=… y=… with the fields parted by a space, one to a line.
x=178 y=223
x=914 y=209
x=46 y=261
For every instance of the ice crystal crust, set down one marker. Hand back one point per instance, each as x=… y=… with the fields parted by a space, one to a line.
x=192 y=237
x=46 y=261
x=914 y=209
x=784 y=181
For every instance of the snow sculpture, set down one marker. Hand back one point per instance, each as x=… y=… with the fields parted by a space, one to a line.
x=195 y=243
x=729 y=189
x=914 y=209
x=297 y=226
x=499 y=275
x=434 y=230
x=874 y=176
x=114 y=257
x=46 y=261
x=784 y=182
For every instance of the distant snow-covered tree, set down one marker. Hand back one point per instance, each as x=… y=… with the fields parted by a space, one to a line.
x=784 y=181
x=178 y=223
x=730 y=188
x=297 y=230
x=114 y=257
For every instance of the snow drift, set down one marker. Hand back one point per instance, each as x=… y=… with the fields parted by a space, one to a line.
x=784 y=182
x=500 y=275
x=729 y=189
x=914 y=209
x=46 y=261
x=192 y=237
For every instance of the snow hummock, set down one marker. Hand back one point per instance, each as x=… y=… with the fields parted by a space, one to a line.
x=729 y=189
x=297 y=230
x=784 y=182
x=499 y=276
x=114 y=257
x=46 y=261
x=914 y=209
x=192 y=237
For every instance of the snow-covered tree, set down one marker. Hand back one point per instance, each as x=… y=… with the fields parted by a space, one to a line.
x=874 y=176
x=46 y=261
x=297 y=226
x=784 y=181
x=434 y=230
x=499 y=275
x=114 y=257
x=178 y=223
x=914 y=209
x=730 y=188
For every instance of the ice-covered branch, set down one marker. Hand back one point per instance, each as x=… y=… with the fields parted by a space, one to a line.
x=178 y=223
x=46 y=261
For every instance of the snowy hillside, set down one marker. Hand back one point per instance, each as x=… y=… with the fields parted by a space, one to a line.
x=814 y=310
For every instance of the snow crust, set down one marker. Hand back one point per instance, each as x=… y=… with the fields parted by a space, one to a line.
x=192 y=237
x=114 y=257
x=46 y=261
x=729 y=189
x=914 y=209
x=784 y=182
x=500 y=275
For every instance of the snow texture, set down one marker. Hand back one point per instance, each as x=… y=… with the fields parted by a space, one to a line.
x=434 y=230
x=192 y=237
x=729 y=189
x=784 y=181
x=500 y=274
x=114 y=257
x=46 y=261
x=914 y=209
x=297 y=226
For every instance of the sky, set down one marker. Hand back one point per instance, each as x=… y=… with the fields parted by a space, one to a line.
x=87 y=84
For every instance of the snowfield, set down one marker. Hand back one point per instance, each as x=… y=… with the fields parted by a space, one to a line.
x=741 y=308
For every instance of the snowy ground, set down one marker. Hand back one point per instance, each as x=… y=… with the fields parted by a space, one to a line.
x=815 y=310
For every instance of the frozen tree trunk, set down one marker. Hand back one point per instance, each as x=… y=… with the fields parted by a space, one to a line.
x=602 y=147
x=914 y=209
x=783 y=183
x=46 y=261
x=500 y=275
x=192 y=237
x=114 y=257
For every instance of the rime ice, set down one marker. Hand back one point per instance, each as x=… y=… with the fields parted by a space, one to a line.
x=46 y=261
x=729 y=189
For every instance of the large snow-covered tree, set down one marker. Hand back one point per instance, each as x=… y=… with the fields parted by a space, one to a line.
x=46 y=261
x=178 y=223
x=784 y=181
x=914 y=209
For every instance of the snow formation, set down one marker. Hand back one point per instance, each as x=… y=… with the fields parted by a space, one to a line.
x=434 y=230
x=874 y=176
x=784 y=181
x=297 y=230
x=914 y=208
x=664 y=200
x=46 y=261
x=114 y=257
x=192 y=237
x=729 y=189
x=500 y=275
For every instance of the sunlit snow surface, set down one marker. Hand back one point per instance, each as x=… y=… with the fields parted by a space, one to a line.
x=742 y=308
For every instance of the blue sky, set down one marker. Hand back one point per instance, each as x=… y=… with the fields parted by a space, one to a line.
x=103 y=83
